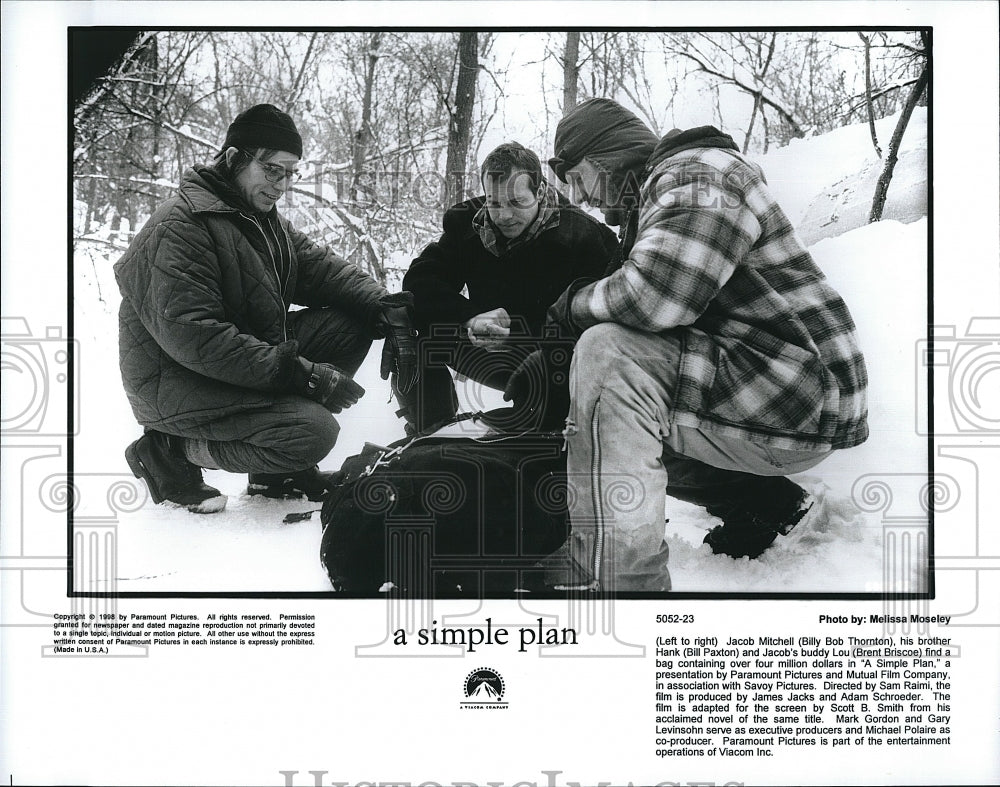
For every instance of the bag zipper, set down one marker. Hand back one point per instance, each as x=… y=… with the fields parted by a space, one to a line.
x=389 y=455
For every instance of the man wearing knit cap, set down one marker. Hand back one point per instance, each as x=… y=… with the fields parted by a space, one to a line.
x=217 y=368
x=712 y=361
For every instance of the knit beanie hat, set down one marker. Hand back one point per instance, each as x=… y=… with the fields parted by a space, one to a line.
x=264 y=126
x=602 y=130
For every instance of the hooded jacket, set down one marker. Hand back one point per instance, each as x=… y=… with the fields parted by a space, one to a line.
x=206 y=286
x=769 y=349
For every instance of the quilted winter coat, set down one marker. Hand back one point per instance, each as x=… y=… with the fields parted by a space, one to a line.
x=202 y=324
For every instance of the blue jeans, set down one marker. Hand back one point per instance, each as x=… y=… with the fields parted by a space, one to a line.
x=624 y=458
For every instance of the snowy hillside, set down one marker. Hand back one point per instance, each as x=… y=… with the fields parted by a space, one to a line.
x=826 y=196
x=247 y=548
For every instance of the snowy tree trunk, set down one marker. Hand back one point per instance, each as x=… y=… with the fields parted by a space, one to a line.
x=461 y=117
x=363 y=136
x=882 y=187
x=753 y=118
x=571 y=70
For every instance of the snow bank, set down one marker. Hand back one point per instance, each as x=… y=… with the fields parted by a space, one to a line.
x=824 y=199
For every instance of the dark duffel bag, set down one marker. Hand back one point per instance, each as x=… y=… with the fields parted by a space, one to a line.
x=467 y=510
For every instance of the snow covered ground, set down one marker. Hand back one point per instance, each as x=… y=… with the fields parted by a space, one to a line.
x=881 y=271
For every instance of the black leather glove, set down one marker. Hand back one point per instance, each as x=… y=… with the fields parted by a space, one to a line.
x=399 y=354
x=560 y=314
x=539 y=387
x=327 y=385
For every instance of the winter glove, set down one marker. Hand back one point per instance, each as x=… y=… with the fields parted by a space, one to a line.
x=539 y=387
x=560 y=313
x=394 y=321
x=327 y=385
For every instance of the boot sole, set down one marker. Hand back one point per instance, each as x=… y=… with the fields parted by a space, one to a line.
x=212 y=505
x=254 y=490
x=270 y=494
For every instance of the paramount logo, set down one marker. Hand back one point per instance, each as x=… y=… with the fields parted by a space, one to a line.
x=484 y=689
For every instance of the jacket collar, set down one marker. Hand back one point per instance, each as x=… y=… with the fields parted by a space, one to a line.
x=207 y=191
x=701 y=137
x=672 y=143
x=497 y=244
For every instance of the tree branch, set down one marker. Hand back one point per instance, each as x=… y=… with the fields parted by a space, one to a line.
x=294 y=93
x=747 y=89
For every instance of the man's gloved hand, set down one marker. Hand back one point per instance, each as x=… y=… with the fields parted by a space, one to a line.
x=327 y=385
x=539 y=387
x=399 y=354
x=560 y=313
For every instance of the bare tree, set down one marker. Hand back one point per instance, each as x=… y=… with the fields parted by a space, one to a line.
x=120 y=128
x=460 y=111
x=363 y=137
x=741 y=61
x=868 y=91
x=762 y=53
x=882 y=186
x=571 y=70
x=892 y=66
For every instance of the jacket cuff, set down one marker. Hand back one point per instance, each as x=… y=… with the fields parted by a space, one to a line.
x=561 y=312
x=377 y=323
x=579 y=310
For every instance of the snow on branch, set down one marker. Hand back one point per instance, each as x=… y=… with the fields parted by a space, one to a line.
x=98 y=93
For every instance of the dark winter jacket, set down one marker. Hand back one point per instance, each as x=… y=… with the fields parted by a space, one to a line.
x=202 y=325
x=524 y=280
x=770 y=352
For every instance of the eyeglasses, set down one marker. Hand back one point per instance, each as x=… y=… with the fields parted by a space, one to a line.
x=275 y=172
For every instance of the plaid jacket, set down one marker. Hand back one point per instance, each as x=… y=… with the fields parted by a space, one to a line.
x=769 y=349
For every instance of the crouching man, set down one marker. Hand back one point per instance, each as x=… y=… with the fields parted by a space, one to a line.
x=711 y=363
x=217 y=368
x=513 y=251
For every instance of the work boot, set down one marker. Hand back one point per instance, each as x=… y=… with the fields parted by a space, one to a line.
x=312 y=484
x=159 y=460
x=746 y=534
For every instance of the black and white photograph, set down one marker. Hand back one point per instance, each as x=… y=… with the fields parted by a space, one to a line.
x=374 y=373
x=522 y=310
